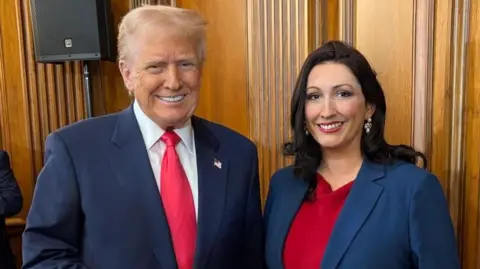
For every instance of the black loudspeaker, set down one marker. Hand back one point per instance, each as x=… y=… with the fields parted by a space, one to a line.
x=66 y=30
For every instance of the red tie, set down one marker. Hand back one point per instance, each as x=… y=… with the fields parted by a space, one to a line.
x=178 y=203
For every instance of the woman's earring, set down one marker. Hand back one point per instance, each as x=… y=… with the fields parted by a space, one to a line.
x=368 y=125
x=305 y=128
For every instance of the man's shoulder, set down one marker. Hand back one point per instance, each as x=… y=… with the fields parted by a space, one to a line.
x=89 y=128
x=228 y=136
x=4 y=160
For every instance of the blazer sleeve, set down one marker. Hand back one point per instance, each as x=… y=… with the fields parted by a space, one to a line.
x=432 y=235
x=53 y=229
x=269 y=201
x=11 y=199
x=254 y=255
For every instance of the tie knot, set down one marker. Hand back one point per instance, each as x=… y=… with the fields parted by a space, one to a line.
x=170 y=138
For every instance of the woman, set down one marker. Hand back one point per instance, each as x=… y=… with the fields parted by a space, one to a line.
x=351 y=200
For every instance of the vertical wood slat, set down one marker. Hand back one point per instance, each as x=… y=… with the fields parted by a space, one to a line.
x=33 y=97
x=4 y=135
x=424 y=12
x=279 y=37
x=471 y=153
x=137 y=3
x=50 y=92
x=457 y=146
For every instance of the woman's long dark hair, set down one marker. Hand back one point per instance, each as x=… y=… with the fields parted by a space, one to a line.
x=307 y=152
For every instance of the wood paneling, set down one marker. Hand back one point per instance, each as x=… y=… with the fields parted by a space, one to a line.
x=280 y=36
x=223 y=96
x=424 y=12
x=35 y=99
x=442 y=93
x=471 y=221
x=108 y=91
x=447 y=129
x=383 y=31
x=424 y=51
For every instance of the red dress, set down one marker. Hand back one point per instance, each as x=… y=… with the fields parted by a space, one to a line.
x=311 y=228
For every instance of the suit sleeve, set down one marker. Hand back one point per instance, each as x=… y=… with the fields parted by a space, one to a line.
x=11 y=199
x=432 y=235
x=254 y=227
x=53 y=230
x=269 y=202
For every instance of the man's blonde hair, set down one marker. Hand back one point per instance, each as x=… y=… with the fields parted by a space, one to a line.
x=181 y=21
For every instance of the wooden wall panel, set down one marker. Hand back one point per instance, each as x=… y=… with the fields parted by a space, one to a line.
x=35 y=100
x=223 y=96
x=441 y=128
x=425 y=53
x=280 y=36
x=108 y=91
x=383 y=32
x=471 y=221
x=448 y=129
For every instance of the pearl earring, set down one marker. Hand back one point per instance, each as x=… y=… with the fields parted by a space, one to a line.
x=368 y=125
x=305 y=128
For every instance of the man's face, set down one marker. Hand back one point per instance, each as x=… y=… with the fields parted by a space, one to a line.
x=163 y=71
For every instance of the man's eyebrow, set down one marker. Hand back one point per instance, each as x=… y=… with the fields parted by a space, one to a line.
x=155 y=62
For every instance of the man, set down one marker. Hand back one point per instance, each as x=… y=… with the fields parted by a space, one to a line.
x=152 y=186
x=11 y=201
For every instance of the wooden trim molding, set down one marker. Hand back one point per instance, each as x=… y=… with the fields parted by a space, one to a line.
x=424 y=12
x=456 y=179
x=347 y=21
x=4 y=136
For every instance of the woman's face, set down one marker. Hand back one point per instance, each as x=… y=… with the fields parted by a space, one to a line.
x=335 y=108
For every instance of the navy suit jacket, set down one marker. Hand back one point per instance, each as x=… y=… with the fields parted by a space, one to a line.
x=96 y=203
x=395 y=217
x=11 y=202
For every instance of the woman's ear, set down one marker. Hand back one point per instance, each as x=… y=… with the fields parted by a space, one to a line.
x=370 y=110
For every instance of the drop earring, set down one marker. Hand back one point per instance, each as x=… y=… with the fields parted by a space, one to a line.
x=368 y=125
x=305 y=128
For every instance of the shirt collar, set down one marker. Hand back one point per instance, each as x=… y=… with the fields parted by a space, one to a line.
x=151 y=132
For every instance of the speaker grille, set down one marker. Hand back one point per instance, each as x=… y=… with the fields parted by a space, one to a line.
x=66 y=27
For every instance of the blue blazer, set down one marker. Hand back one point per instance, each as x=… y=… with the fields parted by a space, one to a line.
x=96 y=203
x=395 y=217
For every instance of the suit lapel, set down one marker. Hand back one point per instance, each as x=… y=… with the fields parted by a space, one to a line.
x=212 y=185
x=358 y=206
x=289 y=204
x=134 y=173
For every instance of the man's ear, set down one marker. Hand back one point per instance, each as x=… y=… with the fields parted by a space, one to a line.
x=127 y=74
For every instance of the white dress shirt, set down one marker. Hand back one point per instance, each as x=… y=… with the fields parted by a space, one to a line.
x=151 y=133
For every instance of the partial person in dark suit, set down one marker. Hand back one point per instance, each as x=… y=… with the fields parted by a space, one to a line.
x=351 y=200
x=150 y=187
x=11 y=202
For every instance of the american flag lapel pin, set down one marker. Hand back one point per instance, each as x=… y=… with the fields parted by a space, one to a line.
x=217 y=163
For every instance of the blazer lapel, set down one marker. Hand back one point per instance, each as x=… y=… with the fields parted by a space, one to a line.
x=134 y=173
x=286 y=210
x=360 y=202
x=212 y=184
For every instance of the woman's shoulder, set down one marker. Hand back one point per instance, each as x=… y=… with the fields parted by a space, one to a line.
x=284 y=176
x=407 y=174
x=404 y=168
